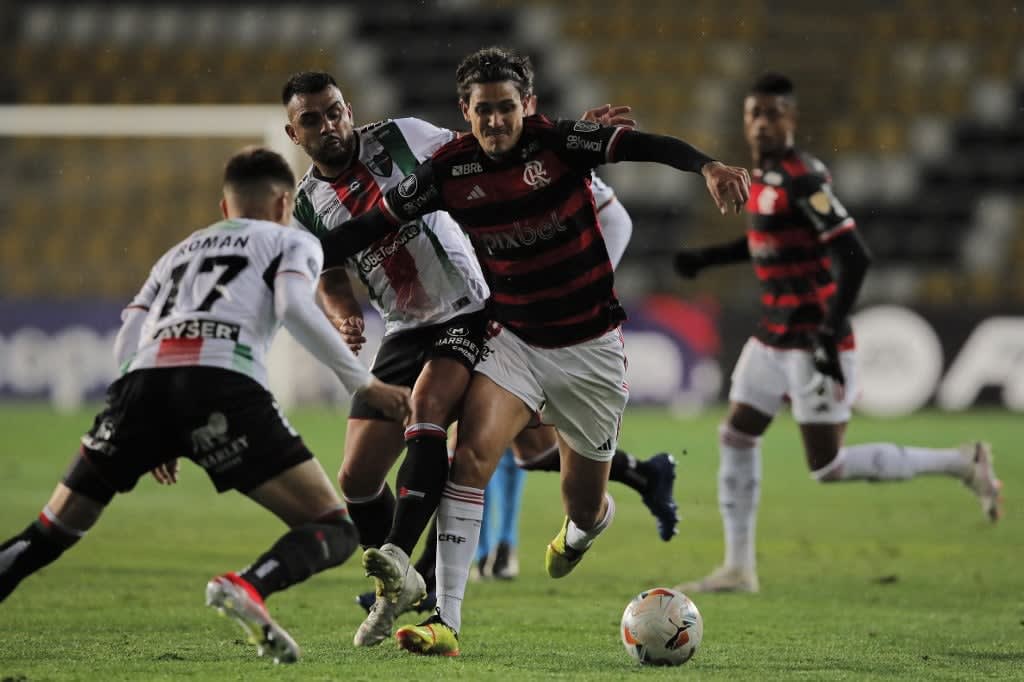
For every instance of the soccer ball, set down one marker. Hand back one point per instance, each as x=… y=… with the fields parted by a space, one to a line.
x=661 y=627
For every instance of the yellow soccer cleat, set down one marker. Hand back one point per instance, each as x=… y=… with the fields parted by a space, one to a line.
x=432 y=637
x=560 y=558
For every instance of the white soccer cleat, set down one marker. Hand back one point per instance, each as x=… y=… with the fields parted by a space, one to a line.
x=399 y=588
x=981 y=478
x=723 y=579
x=232 y=596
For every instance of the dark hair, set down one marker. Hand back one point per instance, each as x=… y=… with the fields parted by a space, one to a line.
x=256 y=165
x=494 y=65
x=306 y=83
x=772 y=84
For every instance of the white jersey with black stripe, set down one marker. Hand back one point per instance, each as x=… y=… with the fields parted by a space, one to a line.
x=210 y=299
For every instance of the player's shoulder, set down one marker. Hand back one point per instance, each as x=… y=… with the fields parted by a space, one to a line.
x=455 y=148
x=799 y=163
x=805 y=171
x=540 y=122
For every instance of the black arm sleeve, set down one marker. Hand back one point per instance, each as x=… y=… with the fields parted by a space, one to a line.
x=850 y=261
x=634 y=145
x=352 y=236
x=737 y=251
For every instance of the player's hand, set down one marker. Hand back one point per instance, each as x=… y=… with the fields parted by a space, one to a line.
x=689 y=262
x=729 y=186
x=351 y=329
x=167 y=473
x=826 y=355
x=394 y=401
x=608 y=115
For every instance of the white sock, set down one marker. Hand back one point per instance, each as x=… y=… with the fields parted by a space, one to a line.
x=739 y=491
x=458 y=533
x=580 y=539
x=891 y=462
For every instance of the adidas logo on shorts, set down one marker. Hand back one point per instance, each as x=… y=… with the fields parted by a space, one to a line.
x=606 y=446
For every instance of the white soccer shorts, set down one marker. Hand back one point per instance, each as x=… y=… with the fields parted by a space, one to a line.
x=581 y=390
x=764 y=377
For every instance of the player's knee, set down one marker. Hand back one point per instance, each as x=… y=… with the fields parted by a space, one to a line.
x=356 y=487
x=83 y=478
x=471 y=466
x=430 y=407
x=340 y=536
x=826 y=467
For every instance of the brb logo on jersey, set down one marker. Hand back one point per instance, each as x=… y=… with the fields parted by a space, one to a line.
x=536 y=175
x=466 y=169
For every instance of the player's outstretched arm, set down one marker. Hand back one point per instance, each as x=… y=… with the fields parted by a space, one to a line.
x=850 y=262
x=352 y=236
x=689 y=262
x=729 y=186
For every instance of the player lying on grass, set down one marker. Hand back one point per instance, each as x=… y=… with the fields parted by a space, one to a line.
x=192 y=348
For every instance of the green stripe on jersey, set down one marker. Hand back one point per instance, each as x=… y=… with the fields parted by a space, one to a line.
x=454 y=276
x=242 y=360
x=390 y=136
x=307 y=217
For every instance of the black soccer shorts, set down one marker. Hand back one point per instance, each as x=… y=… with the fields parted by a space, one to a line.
x=222 y=420
x=402 y=355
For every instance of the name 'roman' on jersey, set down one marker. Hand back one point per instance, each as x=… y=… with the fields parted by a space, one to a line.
x=211 y=297
x=425 y=273
x=532 y=218
x=793 y=214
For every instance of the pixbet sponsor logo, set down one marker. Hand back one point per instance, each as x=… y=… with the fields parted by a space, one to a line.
x=524 y=234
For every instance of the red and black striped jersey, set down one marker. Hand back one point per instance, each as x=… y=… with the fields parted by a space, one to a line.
x=793 y=215
x=532 y=220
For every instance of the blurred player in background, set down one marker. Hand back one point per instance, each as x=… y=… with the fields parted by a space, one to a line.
x=192 y=346
x=520 y=187
x=811 y=262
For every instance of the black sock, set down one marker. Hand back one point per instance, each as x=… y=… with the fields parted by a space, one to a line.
x=302 y=552
x=548 y=461
x=420 y=481
x=427 y=563
x=38 y=545
x=627 y=470
x=373 y=518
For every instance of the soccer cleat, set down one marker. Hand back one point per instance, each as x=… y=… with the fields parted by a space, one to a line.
x=232 y=596
x=661 y=476
x=383 y=565
x=981 y=478
x=432 y=637
x=723 y=579
x=560 y=558
x=367 y=599
x=506 y=564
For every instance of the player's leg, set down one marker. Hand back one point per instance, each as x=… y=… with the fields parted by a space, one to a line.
x=823 y=420
x=492 y=494
x=756 y=394
x=320 y=536
x=123 y=443
x=586 y=392
x=69 y=513
x=536 y=449
x=506 y=560
x=437 y=393
x=371 y=448
x=589 y=509
x=373 y=441
x=491 y=417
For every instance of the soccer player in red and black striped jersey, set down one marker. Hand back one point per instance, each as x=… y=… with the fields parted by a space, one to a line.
x=811 y=261
x=520 y=188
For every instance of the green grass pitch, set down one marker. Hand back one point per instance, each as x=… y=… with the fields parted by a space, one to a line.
x=858 y=580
